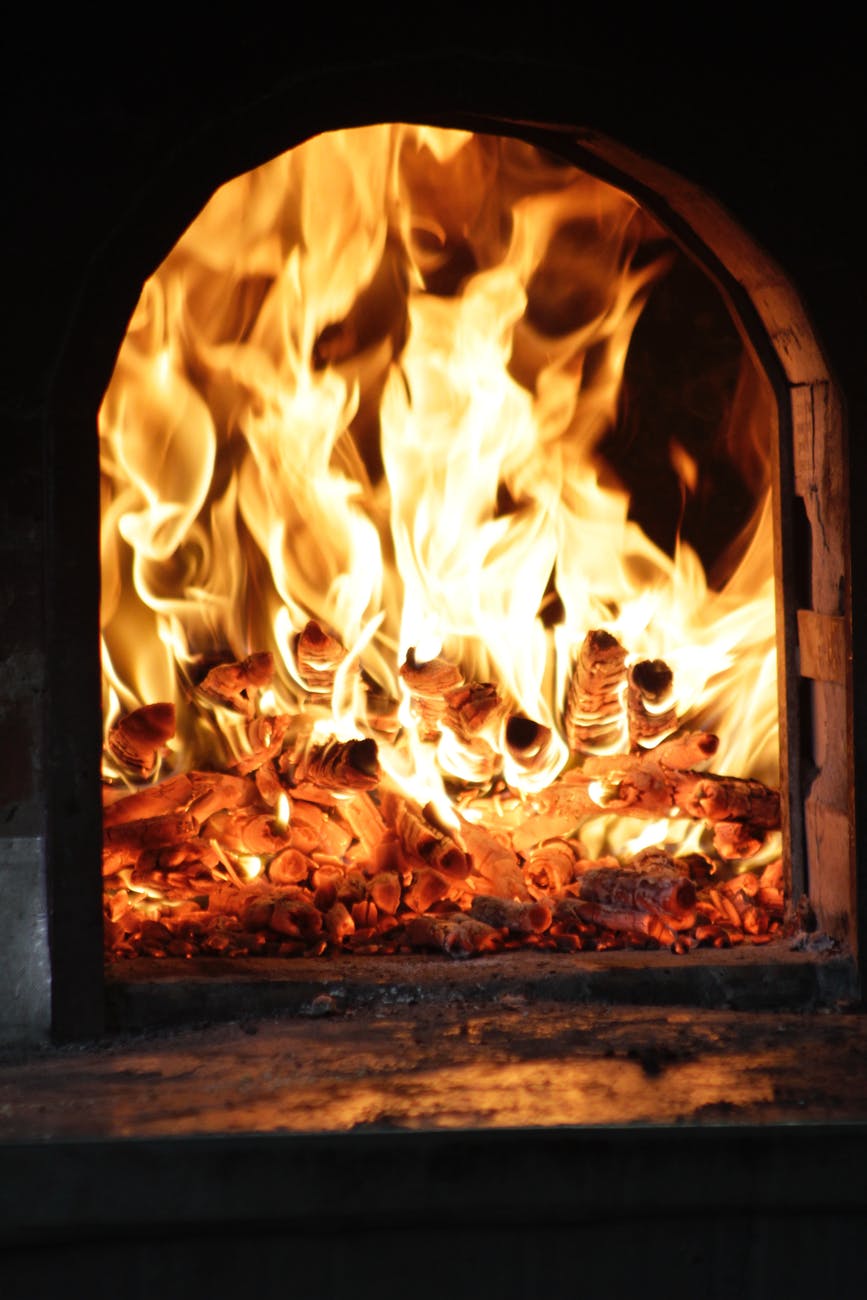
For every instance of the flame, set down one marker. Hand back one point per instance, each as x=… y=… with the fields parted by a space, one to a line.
x=368 y=387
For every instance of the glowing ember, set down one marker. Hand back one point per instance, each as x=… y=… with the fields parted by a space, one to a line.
x=388 y=660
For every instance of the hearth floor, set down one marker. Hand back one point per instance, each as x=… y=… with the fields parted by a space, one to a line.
x=511 y=1063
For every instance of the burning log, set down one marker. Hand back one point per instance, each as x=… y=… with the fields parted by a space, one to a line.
x=493 y=861
x=385 y=890
x=551 y=867
x=428 y=887
x=424 y=838
x=266 y=735
x=729 y=798
x=342 y=765
x=737 y=840
x=642 y=786
x=231 y=683
x=136 y=741
x=517 y=918
x=318 y=655
x=366 y=823
x=289 y=867
x=652 y=883
x=428 y=683
x=339 y=922
x=331 y=837
x=457 y=934
x=169 y=796
x=526 y=742
x=593 y=714
x=243 y=832
x=296 y=917
x=629 y=920
x=472 y=707
x=648 y=712
x=151 y=832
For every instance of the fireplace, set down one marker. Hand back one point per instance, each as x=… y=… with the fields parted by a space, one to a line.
x=813 y=583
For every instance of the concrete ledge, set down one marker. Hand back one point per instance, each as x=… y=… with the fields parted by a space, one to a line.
x=144 y=993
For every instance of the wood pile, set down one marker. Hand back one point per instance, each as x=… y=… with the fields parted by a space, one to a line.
x=306 y=850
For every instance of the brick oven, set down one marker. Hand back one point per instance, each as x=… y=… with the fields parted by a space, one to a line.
x=732 y=1156
x=137 y=180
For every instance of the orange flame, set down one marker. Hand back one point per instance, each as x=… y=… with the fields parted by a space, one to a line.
x=367 y=387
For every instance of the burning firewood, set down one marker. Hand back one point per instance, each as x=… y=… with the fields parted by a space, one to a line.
x=385 y=890
x=494 y=861
x=428 y=886
x=648 y=711
x=457 y=934
x=517 y=918
x=231 y=683
x=550 y=867
x=651 y=883
x=289 y=867
x=471 y=708
x=266 y=736
x=151 y=832
x=423 y=838
x=428 y=683
x=364 y=819
x=594 y=704
x=318 y=655
x=241 y=831
x=340 y=765
x=526 y=741
x=642 y=786
x=631 y=920
x=137 y=740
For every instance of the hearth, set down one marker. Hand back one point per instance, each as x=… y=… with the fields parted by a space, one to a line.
x=810 y=529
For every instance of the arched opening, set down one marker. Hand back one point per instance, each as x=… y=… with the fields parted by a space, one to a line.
x=621 y=369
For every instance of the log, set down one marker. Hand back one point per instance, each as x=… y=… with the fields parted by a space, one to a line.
x=550 y=867
x=385 y=890
x=296 y=918
x=517 y=918
x=428 y=682
x=619 y=919
x=342 y=765
x=428 y=887
x=266 y=736
x=318 y=655
x=151 y=832
x=526 y=741
x=652 y=883
x=244 y=832
x=169 y=796
x=339 y=923
x=289 y=867
x=458 y=935
x=137 y=740
x=593 y=714
x=649 y=685
x=642 y=786
x=735 y=841
x=471 y=708
x=232 y=683
x=494 y=861
x=365 y=821
x=421 y=839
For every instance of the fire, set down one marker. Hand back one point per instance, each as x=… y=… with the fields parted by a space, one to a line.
x=355 y=424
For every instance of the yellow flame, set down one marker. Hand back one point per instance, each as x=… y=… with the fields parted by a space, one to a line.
x=368 y=386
